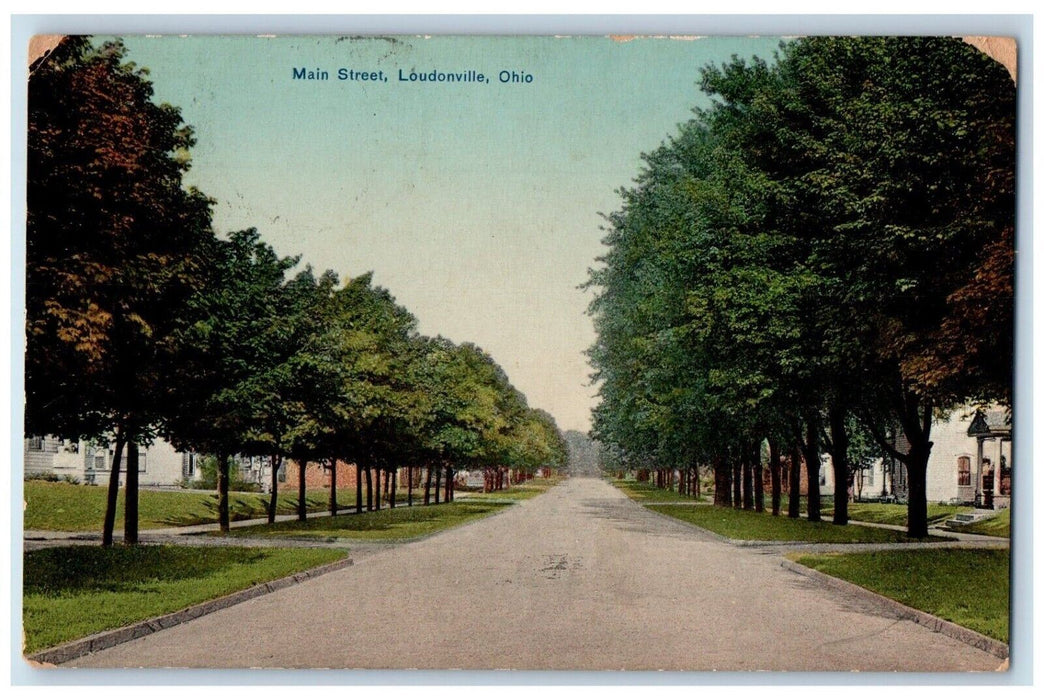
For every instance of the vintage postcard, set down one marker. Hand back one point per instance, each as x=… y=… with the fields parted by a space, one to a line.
x=685 y=353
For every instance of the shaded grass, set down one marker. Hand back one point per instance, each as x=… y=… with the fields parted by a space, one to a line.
x=969 y=587
x=895 y=514
x=647 y=491
x=73 y=592
x=998 y=526
x=76 y=508
x=387 y=524
x=749 y=525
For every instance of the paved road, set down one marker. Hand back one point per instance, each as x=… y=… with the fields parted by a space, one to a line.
x=579 y=578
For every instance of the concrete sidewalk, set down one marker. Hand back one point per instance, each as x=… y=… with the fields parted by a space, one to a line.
x=37 y=539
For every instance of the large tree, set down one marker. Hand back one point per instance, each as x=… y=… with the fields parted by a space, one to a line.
x=113 y=242
x=221 y=401
x=810 y=249
x=892 y=162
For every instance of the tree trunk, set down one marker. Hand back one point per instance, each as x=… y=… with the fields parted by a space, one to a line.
x=917 y=508
x=273 y=504
x=427 y=486
x=358 y=488
x=737 y=482
x=394 y=485
x=438 y=483
x=222 y=489
x=839 y=462
x=130 y=495
x=696 y=476
x=794 y=501
x=759 y=478
x=775 y=473
x=722 y=482
x=377 y=490
x=369 y=489
x=302 y=503
x=409 y=486
x=748 y=480
x=114 y=491
x=449 y=484
x=333 y=486
x=810 y=448
x=915 y=419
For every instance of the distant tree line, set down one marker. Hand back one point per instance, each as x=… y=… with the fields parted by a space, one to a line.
x=141 y=322
x=820 y=262
x=584 y=454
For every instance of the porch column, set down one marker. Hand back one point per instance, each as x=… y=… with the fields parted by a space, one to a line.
x=997 y=470
x=978 y=472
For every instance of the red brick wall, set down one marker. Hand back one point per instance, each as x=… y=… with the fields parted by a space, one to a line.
x=766 y=477
x=316 y=477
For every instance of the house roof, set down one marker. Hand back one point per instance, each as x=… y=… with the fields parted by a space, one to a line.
x=993 y=423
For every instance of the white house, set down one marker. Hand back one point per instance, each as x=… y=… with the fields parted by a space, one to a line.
x=970 y=462
x=90 y=463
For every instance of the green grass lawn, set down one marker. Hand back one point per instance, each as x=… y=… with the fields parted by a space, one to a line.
x=748 y=525
x=73 y=507
x=998 y=526
x=646 y=491
x=387 y=524
x=895 y=514
x=73 y=592
x=965 y=586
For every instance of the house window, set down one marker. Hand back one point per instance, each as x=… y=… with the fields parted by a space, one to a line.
x=964 y=471
x=36 y=443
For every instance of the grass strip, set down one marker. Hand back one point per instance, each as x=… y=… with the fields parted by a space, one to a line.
x=895 y=514
x=78 y=508
x=73 y=592
x=969 y=587
x=749 y=525
x=646 y=491
x=387 y=524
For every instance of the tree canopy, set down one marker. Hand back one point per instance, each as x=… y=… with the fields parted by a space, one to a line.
x=831 y=240
x=141 y=321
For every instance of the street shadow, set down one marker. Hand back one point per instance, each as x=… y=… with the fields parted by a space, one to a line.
x=631 y=517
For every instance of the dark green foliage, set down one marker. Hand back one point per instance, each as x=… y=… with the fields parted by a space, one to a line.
x=112 y=240
x=114 y=248
x=808 y=251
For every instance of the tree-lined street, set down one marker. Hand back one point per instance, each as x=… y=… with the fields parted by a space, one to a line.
x=591 y=581
x=797 y=289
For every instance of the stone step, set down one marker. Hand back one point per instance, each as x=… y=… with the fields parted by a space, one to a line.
x=968 y=518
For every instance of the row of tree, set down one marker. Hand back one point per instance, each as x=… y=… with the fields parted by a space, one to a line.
x=141 y=322
x=821 y=261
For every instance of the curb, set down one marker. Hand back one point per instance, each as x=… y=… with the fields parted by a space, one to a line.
x=727 y=540
x=104 y=640
x=905 y=612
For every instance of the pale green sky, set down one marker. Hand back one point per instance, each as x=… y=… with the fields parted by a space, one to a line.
x=475 y=204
